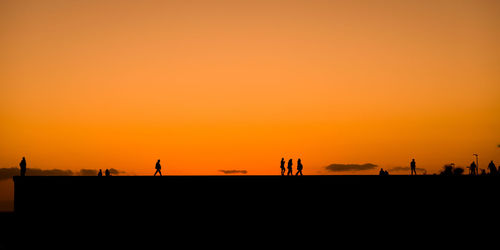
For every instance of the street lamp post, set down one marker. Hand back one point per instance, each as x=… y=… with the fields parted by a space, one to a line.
x=477 y=163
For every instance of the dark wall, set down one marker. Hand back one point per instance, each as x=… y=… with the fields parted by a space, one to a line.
x=236 y=212
x=250 y=195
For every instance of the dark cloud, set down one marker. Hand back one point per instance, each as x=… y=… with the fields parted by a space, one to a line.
x=50 y=172
x=115 y=171
x=406 y=169
x=336 y=167
x=88 y=172
x=7 y=173
x=233 y=171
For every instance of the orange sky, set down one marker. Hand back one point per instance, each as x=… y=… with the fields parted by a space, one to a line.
x=211 y=85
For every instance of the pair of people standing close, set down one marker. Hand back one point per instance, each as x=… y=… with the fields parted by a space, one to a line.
x=107 y=172
x=290 y=169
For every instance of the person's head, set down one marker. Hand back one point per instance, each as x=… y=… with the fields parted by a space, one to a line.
x=23 y=157
x=412 y=159
x=298 y=160
x=283 y=159
x=158 y=160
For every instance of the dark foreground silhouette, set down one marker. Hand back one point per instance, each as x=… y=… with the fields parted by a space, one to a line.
x=200 y=196
x=232 y=211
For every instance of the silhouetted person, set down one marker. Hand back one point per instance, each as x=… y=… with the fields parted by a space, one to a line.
x=282 y=166
x=100 y=172
x=493 y=168
x=22 y=164
x=413 y=167
x=473 y=169
x=290 y=163
x=299 y=167
x=107 y=172
x=386 y=172
x=158 y=167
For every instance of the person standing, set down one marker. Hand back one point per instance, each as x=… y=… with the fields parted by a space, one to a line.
x=282 y=166
x=290 y=163
x=413 y=167
x=107 y=173
x=22 y=164
x=299 y=167
x=158 y=167
x=493 y=168
x=473 y=169
x=100 y=172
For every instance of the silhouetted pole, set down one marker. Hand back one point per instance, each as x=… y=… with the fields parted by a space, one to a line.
x=477 y=163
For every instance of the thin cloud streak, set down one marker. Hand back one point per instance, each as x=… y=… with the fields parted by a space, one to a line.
x=337 y=167
x=406 y=169
x=7 y=173
x=233 y=171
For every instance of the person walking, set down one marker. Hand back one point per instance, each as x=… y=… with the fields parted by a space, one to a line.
x=282 y=166
x=413 y=167
x=22 y=165
x=290 y=163
x=158 y=167
x=299 y=167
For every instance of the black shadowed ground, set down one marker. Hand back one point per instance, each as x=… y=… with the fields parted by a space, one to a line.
x=234 y=208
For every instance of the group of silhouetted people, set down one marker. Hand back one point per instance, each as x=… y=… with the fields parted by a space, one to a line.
x=383 y=172
x=474 y=170
x=290 y=167
x=107 y=173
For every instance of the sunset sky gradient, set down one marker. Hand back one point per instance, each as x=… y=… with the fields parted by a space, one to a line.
x=236 y=85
